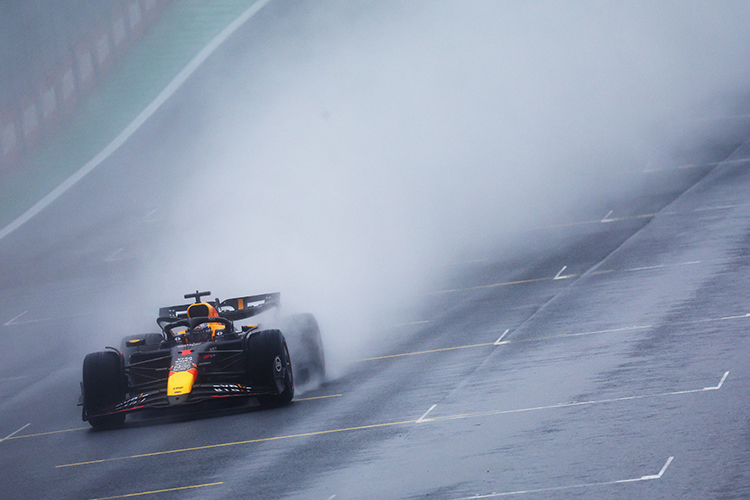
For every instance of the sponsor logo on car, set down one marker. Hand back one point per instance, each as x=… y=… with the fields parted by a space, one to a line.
x=182 y=364
x=225 y=388
x=132 y=401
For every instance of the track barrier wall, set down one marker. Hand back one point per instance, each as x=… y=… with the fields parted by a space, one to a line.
x=37 y=106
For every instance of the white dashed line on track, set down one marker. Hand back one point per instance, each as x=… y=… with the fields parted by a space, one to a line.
x=13 y=321
x=717 y=387
x=692 y=165
x=546 y=338
x=14 y=433
x=147 y=217
x=113 y=256
x=571 y=404
x=559 y=276
x=499 y=341
x=410 y=323
x=721 y=207
x=646 y=268
x=421 y=419
x=574 y=486
x=661 y=472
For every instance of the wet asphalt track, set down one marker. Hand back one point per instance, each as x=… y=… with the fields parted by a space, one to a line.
x=612 y=361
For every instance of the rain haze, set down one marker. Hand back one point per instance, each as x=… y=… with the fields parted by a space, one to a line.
x=384 y=143
x=523 y=228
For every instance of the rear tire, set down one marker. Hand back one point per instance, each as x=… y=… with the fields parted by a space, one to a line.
x=104 y=386
x=306 y=347
x=268 y=365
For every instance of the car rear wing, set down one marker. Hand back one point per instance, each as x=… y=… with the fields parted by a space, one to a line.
x=232 y=309
x=245 y=307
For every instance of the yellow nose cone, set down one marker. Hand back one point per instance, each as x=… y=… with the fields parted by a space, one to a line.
x=180 y=383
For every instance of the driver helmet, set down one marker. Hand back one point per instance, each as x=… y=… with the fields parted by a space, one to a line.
x=205 y=331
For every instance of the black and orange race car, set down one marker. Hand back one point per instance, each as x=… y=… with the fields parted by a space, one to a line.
x=200 y=355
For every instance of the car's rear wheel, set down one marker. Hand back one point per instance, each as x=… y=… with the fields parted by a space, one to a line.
x=268 y=365
x=306 y=346
x=104 y=386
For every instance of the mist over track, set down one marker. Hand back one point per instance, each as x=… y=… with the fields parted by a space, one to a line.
x=524 y=232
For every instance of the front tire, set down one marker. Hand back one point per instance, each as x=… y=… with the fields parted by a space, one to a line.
x=268 y=365
x=104 y=386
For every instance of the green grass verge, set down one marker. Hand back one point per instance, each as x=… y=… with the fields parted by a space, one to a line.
x=184 y=28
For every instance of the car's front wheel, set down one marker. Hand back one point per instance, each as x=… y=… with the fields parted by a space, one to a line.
x=268 y=364
x=104 y=386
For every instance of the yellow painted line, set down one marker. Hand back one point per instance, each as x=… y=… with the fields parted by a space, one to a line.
x=493 y=285
x=237 y=443
x=319 y=397
x=466 y=262
x=393 y=424
x=160 y=491
x=598 y=221
x=687 y=166
x=558 y=278
x=415 y=353
x=571 y=404
x=503 y=342
x=409 y=323
x=534 y=280
x=47 y=433
x=144 y=420
x=551 y=337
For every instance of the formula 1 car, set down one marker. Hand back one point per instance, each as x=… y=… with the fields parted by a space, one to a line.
x=200 y=356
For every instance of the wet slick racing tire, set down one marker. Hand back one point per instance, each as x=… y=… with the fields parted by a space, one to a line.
x=303 y=336
x=269 y=365
x=103 y=387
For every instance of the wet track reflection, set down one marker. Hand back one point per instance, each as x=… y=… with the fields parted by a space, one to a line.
x=605 y=356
